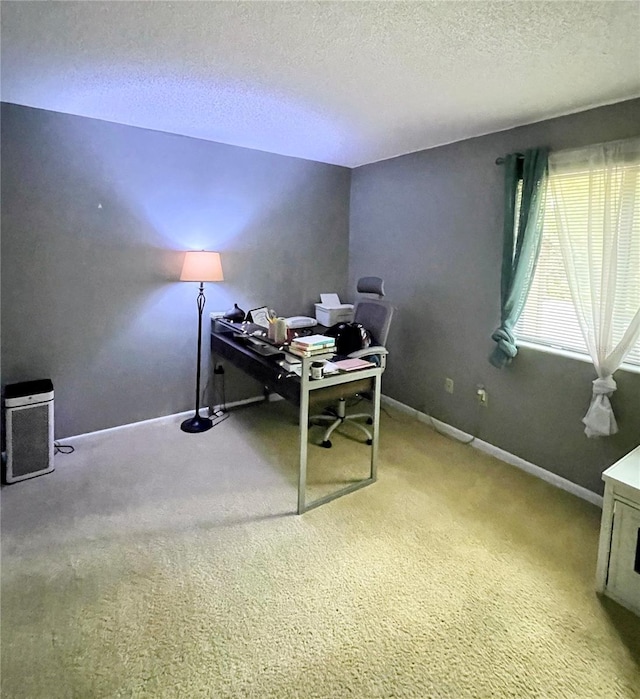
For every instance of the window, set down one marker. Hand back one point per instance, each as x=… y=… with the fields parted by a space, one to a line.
x=549 y=317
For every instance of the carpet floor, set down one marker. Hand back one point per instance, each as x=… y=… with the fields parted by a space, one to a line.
x=154 y=563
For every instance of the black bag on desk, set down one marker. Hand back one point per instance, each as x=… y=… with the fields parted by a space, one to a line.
x=349 y=337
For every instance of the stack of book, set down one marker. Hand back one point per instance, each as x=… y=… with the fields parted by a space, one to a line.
x=312 y=344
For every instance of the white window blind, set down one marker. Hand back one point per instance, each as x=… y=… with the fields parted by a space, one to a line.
x=549 y=317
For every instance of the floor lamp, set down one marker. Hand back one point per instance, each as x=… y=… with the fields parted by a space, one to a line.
x=200 y=267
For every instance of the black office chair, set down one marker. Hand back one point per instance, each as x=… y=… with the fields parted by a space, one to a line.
x=374 y=315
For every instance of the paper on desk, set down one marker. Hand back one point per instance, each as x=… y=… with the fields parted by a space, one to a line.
x=330 y=300
x=352 y=364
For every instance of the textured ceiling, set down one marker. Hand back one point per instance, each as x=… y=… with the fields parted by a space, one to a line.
x=339 y=82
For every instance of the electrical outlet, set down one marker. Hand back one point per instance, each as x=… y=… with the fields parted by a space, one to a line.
x=482 y=396
x=448 y=385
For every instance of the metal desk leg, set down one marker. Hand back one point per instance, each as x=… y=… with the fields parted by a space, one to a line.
x=303 y=505
x=376 y=428
x=304 y=436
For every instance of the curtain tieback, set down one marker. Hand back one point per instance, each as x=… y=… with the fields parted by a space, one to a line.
x=605 y=385
x=600 y=420
x=506 y=348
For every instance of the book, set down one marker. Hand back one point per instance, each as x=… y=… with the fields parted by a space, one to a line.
x=310 y=352
x=313 y=341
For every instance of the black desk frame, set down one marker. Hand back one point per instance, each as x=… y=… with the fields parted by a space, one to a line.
x=226 y=343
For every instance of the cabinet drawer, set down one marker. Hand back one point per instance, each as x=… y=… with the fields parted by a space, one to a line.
x=624 y=564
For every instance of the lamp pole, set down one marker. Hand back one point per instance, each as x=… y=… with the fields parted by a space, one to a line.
x=200 y=267
x=197 y=423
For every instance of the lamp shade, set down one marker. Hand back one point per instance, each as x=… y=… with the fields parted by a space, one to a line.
x=202 y=266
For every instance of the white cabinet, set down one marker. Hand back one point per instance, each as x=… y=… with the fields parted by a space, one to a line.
x=618 y=572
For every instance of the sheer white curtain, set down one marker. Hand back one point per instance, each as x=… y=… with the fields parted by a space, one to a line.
x=595 y=193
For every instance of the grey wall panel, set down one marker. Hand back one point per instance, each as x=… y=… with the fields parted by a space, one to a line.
x=430 y=223
x=95 y=217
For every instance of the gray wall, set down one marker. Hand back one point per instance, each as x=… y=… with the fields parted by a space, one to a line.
x=430 y=223
x=95 y=217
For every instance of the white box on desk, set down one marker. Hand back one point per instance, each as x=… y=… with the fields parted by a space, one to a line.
x=330 y=315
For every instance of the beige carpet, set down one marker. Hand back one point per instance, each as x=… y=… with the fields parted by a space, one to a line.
x=153 y=563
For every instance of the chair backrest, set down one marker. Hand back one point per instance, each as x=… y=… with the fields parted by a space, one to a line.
x=374 y=313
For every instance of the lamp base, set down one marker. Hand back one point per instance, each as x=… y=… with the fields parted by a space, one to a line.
x=197 y=423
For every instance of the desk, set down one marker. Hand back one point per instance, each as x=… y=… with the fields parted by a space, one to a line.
x=228 y=341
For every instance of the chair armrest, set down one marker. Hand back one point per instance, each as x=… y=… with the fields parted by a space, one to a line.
x=374 y=349
x=377 y=350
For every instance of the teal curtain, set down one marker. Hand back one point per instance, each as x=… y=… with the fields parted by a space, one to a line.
x=521 y=244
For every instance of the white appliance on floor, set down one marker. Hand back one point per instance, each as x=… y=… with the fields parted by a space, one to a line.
x=29 y=429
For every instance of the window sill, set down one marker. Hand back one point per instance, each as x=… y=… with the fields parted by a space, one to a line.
x=631 y=368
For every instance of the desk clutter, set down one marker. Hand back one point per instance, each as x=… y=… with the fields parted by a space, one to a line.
x=289 y=353
x=329 y=311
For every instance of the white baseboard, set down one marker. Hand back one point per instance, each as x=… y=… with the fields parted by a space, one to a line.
x=501 y=454
x=164 y=418
x=442 y=427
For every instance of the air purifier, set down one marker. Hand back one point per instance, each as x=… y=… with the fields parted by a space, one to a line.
x=29 y=429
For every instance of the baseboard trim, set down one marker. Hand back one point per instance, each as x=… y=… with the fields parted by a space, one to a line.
x=441 y=427
x=507 y=457
x=163 y=418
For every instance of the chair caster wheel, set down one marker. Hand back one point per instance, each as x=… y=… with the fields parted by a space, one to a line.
x=369 y=421
x=369 y=442
x=326 y=444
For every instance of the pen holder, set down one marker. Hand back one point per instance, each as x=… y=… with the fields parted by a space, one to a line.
x=277 y=331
